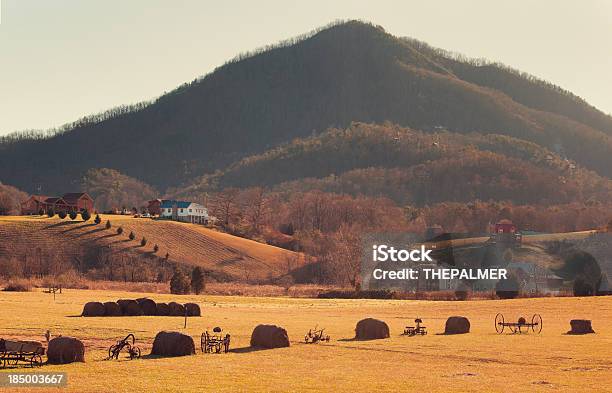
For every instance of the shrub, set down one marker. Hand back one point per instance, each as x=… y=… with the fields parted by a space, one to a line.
x=119 y=230
x=197 y=280
x=97 y=220
x=73 y=215
x=17 y=287
x=367 y=294
x=41 y=212
x=462 y=292
x=179 y=283
x=132 y=236
x=50 y=212
x=85 y=215
x=582 y=287
x=61 y=214
x=507 y=289
x=155 y=248
x=108 y=225
x=143 y=242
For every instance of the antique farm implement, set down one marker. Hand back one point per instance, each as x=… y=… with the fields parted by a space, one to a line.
x=126 y=344
x=416 y=330
x=315 y=335
x=214 y=343
x=520 y=326
x=28 y=352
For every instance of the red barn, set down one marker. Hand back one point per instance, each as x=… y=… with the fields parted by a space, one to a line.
x=34 y=204
x=74 y=201
x=154 y=207
x=505 y=226
x=79 y=201
x=504 y=231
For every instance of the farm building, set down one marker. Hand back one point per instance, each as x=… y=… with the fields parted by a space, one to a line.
x=73 y=201
x=180 y=211
x=506 y=232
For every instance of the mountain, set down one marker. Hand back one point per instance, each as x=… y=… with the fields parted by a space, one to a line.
x=413 y=167
x=342 y=73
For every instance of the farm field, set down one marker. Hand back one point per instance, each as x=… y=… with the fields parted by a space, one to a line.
x=186 y=243
x=479 y=361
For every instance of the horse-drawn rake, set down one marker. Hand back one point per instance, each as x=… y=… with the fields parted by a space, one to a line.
x=315 y=335
x=127 y=344
x=521 y=326
x=214 y=343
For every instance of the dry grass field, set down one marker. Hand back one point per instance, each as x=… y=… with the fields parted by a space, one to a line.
x=186 y=243
x=474 y=362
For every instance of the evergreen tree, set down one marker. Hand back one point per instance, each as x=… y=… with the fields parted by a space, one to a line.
x=179 y=283
x=197 y=280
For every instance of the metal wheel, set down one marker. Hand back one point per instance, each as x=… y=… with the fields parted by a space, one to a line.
x=226 y=343
x=36 y=361
x=13 y=360
x=134 y=353
x=111 y=351
x=536 y=323
x=499 y=323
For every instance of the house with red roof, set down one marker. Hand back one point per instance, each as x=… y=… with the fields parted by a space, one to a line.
x=73 y=201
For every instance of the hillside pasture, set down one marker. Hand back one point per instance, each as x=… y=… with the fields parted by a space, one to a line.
x=188 y=244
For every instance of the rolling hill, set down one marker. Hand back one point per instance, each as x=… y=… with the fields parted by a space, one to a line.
x=332 y=77
x=223 y=256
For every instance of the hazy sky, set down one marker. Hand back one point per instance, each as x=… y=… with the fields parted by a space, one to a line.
x=62 y=59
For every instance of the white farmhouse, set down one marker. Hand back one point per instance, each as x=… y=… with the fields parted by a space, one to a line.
x=184 y=211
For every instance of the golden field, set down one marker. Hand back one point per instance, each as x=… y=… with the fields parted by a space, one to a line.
x=479 y=361
x=186 y=243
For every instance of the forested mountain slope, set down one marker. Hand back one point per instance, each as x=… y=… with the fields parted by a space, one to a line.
x=343 y=73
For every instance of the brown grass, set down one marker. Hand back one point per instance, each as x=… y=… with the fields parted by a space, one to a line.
x=479 y=361
x=188 y=244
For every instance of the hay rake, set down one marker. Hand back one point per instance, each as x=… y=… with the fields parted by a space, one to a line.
x=316 y=335
x=132 y=350
x=521 y=326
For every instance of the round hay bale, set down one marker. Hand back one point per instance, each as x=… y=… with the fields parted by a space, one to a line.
x=173 y=344
x=163 y=309
x=93 y=309
x=64 y=350
x=176 y=309
x=129 y=307
x=193 y=310
x=371 y=329
x=457 y=325
x=112 y=309
x=581 y=326
x=269 y=336
x=147 y=306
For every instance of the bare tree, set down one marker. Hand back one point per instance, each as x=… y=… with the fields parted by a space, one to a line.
x=224 y=204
